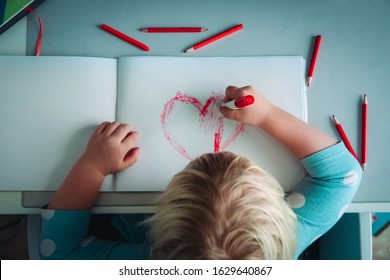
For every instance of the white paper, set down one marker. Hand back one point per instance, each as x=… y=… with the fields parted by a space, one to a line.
x=49 y=107
x=146 y=84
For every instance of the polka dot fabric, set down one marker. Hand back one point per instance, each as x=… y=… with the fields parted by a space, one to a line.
x=64 y=235
x=61 y=231
x=47 y=248
x=296 y=200
x=325 y=193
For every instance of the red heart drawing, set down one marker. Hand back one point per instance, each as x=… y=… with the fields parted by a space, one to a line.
x=209 y=117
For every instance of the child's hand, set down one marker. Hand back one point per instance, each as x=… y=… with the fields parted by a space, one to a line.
x=111 y=148
x=254 y=114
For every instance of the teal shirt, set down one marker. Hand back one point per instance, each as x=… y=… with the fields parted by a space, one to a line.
x=319 y=201
x=333 y=177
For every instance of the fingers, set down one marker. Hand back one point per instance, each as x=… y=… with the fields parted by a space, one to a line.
x=120 y=131
x=231 y=92
x=125 y=137
x=130 y=140
x=100 y=128
x=228 y=113
x=131 y=157
x=111 y=128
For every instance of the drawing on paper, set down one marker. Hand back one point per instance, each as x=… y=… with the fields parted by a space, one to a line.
x=210 y=120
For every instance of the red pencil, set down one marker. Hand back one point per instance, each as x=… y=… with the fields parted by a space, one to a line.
x=364 y=132
x=314 y=59
x=173 y=29
x=215 y=38
x=125 y=37
x=344 y=137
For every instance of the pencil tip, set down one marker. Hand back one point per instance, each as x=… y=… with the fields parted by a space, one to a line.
x=309 y=81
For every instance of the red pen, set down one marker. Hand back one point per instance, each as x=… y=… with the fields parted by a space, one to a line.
x=344 y=137
x=364 y=132
x=240 y=102
x=215 y=38
x=173 y=29
x=124 y=37
x=314 y=59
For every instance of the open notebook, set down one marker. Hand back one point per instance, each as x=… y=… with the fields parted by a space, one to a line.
x=50 y=106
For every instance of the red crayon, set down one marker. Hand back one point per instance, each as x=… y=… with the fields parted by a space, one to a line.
x=125 y=37
x=314 y=59
x=173 y=29
x=344 y=137
x=364 y=132
x=240 y=102
x=215 y=38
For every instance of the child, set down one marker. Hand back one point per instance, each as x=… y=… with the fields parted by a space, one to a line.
x=221 y=206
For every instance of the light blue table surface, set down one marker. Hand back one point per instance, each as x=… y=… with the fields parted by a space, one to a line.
x=354 y=58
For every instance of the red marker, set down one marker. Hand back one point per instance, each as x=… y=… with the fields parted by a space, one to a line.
x=215 y=38
x=240 y=102
x=124 y=37
x=314 y=59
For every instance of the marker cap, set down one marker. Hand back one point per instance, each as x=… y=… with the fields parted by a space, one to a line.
x=244 y=101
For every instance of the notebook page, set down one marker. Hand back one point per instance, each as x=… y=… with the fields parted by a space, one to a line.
x=49 y=106
x=163 y=98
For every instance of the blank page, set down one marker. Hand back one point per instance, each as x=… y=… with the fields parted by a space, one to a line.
x=49 y=106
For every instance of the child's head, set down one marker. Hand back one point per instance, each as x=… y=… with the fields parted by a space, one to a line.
x=223 y=206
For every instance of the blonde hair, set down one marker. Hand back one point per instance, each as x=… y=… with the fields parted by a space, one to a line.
x=222 y=206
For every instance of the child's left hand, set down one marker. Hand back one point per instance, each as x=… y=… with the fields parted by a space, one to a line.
x=111 y=148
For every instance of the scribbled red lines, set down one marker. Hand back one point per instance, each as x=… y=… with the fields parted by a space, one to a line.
x=209 y=118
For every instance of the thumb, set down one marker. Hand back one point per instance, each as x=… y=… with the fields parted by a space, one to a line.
x=228 y=113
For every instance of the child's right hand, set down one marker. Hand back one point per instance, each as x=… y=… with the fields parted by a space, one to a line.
x=254 y=114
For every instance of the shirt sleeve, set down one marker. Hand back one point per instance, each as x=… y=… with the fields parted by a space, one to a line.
x=64 y=236
x=333 y=177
